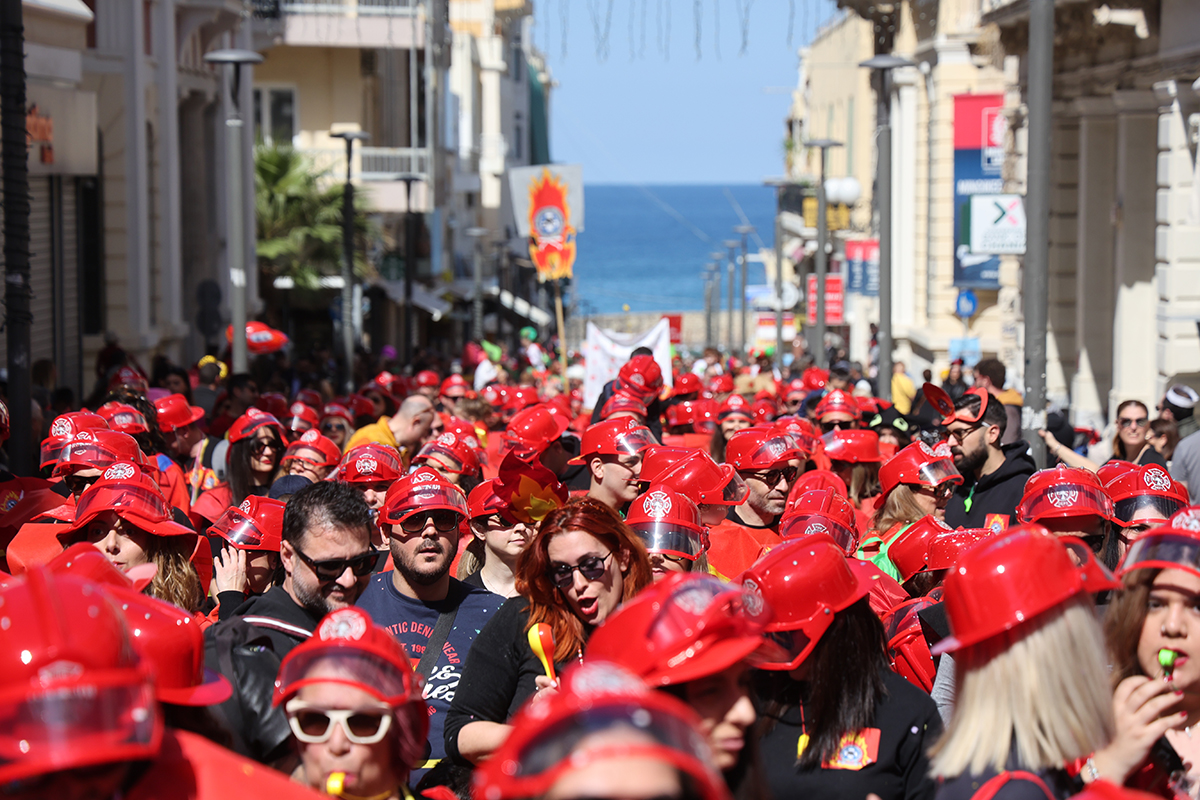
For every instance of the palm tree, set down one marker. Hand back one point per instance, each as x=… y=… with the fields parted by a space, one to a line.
x=299 y=219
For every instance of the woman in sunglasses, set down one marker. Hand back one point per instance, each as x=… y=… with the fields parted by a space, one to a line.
x=255 y=450
x=354 y=707
x=582 y=564
x=734 y=414
x=1132 y=442
x=337 y=423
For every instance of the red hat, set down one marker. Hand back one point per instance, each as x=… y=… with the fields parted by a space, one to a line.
x=814 y=378
x=919 y=464
x=454 y=386
x=867 y=405
x=76 y=694
x=124 y=418
x=369 y=463
x=468 y=432
x=817 y=479
x=801 y=430
x=300 y=418
x=483 y=500
x=311 y=398
x=682 y=628
x=248 y=424
x=1062 y=492
x=519 y=398
x=64 y=427
x=1148 y=486
x=697 y=413
x=427 y=377
x=422 y=490
x=735 y=404
x=641 y=376
x=838 y=402
x=623 y=436
x=1175 y=545
x=693 y=473
x=273 y=403
x=764 y=411
x=174 y=413
x=388 y=381
x=360 y=406
x=760 y=448
x=97 y=449
x=338 y=411
x=687 y=383
x=131 y=377
x=806 y=581
x=83 y=560
x=822 y=511
x=854 y=445
x=532 y=430
x=314 y=449
x=255 y=525
x=128 y=490
x=623 y=403
x=495 y=395
x=170 y=639
x=909 y=550
x=906 y=641
x=1008 y=580
x=668 y=522
x=720 y=384
x=454 y=447
x=962 y=414
x=947 y=548
x=551 y=738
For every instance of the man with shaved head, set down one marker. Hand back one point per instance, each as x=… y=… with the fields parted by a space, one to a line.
x=413 y=424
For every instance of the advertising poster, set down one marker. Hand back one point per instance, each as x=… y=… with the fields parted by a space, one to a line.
x=980 y=128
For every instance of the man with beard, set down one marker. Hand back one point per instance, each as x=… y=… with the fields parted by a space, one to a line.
x=434 y=616
x=327 y=560
x=994 y=475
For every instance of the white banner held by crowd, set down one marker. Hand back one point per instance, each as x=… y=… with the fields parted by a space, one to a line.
x=606 y=351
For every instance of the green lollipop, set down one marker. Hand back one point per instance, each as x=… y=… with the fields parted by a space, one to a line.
x=1166 y=660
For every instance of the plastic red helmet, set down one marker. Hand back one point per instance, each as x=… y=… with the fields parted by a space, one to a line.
x=360 y=406
x=495 y=395
x=75 y=694
x=1010 y=579
x=720 y=384
x=532 y=430
x=867 y=406
x=338 y=411
x=947 y=548
x=1175 y=545
x=687 y=412
x=623 y=436
x=97 y=449
x=257 y=524
x=693 y=473
x=764 y=411
x=920 y=465
x=519 y=398
x=313 y=449
x=454 y=386
x=822 y=511
x=838 y=402
x=1062 y=492
x=248 y=424
x=623 y=403
x=468 y=432
x=760 y=448
x=273 y=403
x=131 y=377
x=311 y=398
x=601 y=715
x=124 y=418
x=300 y=418
x=83 y=560
x=1109 y=471
x=806 y=436
x=63 y=428
x=174 y=412
x=909 y=550
x=682 y=628
x=687 y=383
x=422 y=490
x=907 y=646
x=128 y=490
x=806 y=581
x=641 y=376
x=854 y=445
x=668 y=522
x=370 y=463
x=447 y=448
x=483 y=500
x=427 y=378
x=170 y=640
x=815 y=378
x=735 y=405
x=388 y=381
x=1146 y=487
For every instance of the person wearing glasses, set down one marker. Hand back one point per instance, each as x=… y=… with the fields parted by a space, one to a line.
x=435 y=616
x=994 y=474
x=769 y=462
x=838 y=410
x=1071 y=501
x=915 y=483
x=354 y=709
x=612 y=451
x=582 y=564
x=255 y=450
x=337 y=423
x=327 y=559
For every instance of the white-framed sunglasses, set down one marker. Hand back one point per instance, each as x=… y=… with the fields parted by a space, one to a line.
x=314 y=725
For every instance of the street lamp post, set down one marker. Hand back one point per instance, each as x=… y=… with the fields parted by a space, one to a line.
x=731 y=259
x=410 y=266
x=819 y=352
x=235 y=212
x=719 y=258
x=350 y=138
x=708 y=297
x=883 y=65
x=779 y=184
x=744 y=231
x=477 y=273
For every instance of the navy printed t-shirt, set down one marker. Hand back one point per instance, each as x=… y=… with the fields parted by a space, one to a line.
x=412 y=621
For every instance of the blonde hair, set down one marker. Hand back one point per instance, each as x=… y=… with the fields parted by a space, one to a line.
x=176 y=581
x=899 y=506
x=1042 y=689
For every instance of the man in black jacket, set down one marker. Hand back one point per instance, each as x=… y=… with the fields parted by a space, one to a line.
x=994 y=475
x=327 y=560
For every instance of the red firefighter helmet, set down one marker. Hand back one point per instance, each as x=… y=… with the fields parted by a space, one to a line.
x=720 y=384
x=131 y=377
x=814 y=378
x=687 y=383
x=668 y=522
x=124 y=418
x=422 y=490
x=518 y=398
x=454 y=386
x=1175 y=545
x=909 y=550
x=360 y=406
x=697 y=413
x=907 y=647
x=760 y=448
x=735 y=405
x=838 y=402
x=248 y=424
x=313 y=449
x=921 y=465
x=822 y=511
x=764 y=411
x=817 y=479
x=63 y=429
x=300 y=418
x=693 y=473
x=338 y=411
x=427 y=378
x=311 y=398
x=532 y=430
x=854 y=445
x=257 y=524
x=801 y=430
x=483 y=500
x=641 y=376
x=947 y=548
x=448 y=447
x=369 y=463
x=273 y=403
x=132 y=494
x=174 y=412
x=1062 y=492
x=1144 y=487
x=615 y=437
x=623 y=403
x=97 y=449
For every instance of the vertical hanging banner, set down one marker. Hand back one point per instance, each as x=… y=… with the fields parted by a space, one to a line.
x=980 y=128
x=548 y=210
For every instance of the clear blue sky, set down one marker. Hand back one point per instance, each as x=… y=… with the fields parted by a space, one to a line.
x=661 y=119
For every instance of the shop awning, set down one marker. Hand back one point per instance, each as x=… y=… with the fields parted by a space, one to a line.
x=422 y=298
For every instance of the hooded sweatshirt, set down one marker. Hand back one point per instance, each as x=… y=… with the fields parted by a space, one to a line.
x=991 y=501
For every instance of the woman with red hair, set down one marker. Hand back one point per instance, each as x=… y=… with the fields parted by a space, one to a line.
x=582 y=564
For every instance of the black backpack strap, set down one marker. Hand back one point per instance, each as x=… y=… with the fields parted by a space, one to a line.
x=441 y=631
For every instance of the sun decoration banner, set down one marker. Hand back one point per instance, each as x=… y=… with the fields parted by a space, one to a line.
x=548 y=206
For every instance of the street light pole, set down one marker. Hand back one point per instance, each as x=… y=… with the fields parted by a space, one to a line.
x=744 y=230
x=719 y=258
x=350 y=138
x=235 y=213
x=731 y=258
x=819 y=351
x=477 y=273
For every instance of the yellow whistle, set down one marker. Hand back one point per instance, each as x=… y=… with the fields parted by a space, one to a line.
x=541 y=641
x=335 y=784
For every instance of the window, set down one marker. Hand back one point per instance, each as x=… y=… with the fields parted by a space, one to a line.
x=274 y=114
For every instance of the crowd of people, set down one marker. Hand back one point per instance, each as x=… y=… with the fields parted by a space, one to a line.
x=708 y=583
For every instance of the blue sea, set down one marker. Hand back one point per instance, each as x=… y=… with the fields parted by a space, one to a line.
x=647 y=246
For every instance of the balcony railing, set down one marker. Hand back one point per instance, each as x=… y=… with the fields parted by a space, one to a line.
x=370 y=163
x=273 y=9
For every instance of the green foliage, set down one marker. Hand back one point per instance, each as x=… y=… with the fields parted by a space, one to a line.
x=299 y=219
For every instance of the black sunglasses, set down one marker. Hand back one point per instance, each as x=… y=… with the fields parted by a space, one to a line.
x=330 y=569
x=260 y=446
x=773 y=477
x=443 y=520
x=591 y=568
x=841 y=425
x=78 y=484
x=326 y=427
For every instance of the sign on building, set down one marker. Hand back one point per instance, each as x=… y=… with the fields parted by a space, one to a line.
x=997 y=224
x=862 y=267
x=835 y=300
x=980 y=129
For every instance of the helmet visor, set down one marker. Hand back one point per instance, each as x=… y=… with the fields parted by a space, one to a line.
x=239 y=530
x=349 y=666
x=1126 y=509
x=1162 y=550
x=799 y=525
x=633 y=442
x=129 y=421
x=935 y=473
x=84 y=454
x=118 y=497
x=50 y=451
x=671 y=539
x=795 y=646
x=1065 y=500
x=302 y=451
x=425 y=497
x=448 y=458
x=734 y=491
